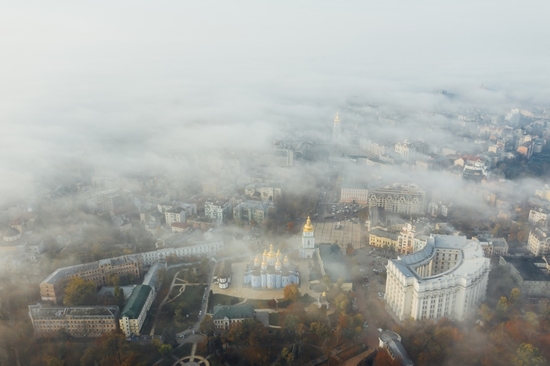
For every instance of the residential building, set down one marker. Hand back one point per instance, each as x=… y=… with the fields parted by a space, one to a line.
x=539 y=216
x=398 y=198
x=78 y=321
x=252 y=212
x=135 y=311
x=381 y=238
x=538 y=242
x=225 y=316
x=281 y=157
x=495 y=247
x=174 y=215
x=264 y=191
x=531 y=273
x=447 y=278
x=217 y=210
x=404 y=149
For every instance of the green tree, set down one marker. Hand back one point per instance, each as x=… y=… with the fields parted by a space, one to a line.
x=79 y=292
x=113 y=279
x=165 y=349
x=528 y=355
x=486 y=313
x=119 y=297
x=502 y=306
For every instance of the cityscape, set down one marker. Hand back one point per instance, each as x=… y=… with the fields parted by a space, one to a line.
x=185 y=187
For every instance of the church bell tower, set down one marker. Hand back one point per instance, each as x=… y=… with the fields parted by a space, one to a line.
x=308 y=240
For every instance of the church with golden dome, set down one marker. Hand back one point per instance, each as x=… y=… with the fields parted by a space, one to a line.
x=271 y=271
x=308 y=240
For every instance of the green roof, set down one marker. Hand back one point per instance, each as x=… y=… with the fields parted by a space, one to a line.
x=244 y=311
x=135 y=303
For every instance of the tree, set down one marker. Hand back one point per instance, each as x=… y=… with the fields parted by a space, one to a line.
x=291 y=292
x=165 y=349
x=528 y=355
x=502 y=306
x=207 y=325
x=486 y=313
x=113 y=279
x=119 y=297
x=79 y=292
x=291 y=322
x=514 y=295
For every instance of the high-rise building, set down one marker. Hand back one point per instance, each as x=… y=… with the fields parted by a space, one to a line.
x=337 y=130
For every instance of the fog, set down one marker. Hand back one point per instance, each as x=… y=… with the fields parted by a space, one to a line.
x=124 y=86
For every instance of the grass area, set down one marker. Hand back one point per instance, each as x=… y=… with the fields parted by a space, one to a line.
x=274 y=319
x=192 y=298
x=351 y=352
x=183 y=351
x=258 y=304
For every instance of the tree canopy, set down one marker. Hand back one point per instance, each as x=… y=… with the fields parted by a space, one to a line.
x=79 y=292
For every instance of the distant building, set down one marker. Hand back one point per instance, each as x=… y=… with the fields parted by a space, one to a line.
x=217 y=210
x=281 y=157
x=448 y=278
x=78 y=321
x=383 y=239
x=225 y=316
x=263 y=191
x=531 y=274
x=250 y=212
x=538 y=242
x=135 y=311
x=539 y=216
x=495 y=247
x=398 y=198
x=337 y=130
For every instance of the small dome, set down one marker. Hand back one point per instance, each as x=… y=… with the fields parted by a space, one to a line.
x=11 y=234
x=308 y=227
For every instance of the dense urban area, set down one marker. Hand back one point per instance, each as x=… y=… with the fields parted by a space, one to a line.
x=384 y=235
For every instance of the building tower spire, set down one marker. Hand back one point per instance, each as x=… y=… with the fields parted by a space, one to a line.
x=337 y=130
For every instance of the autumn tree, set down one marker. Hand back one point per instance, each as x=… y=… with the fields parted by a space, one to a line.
x=291 y=292
x=207 y=325
x=528 y=355
x=79 y=292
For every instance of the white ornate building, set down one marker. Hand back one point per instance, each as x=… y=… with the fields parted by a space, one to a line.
x=447 y=278
x=308 y=240
x=271 y=271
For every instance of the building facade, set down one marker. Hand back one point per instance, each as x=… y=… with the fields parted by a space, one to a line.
x=252 y=212
x=538 y=242
x=135 y=311
x=78 y=321
x=447 y=278
x=225 y=316
x=397 y=198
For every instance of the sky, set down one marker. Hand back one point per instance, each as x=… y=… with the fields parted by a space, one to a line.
x=147 y=77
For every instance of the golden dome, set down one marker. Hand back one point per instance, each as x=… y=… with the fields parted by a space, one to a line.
x=264 y=263
x=286 y=259
x=337 y=119
x=271 y=253
x=308 y=227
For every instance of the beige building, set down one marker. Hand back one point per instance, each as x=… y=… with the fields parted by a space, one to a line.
x=225 y=316
x=397 y=198
x=78 y=321
x=539 y=216
x=383 y=239
x=538 y=242
x=135 y=311
x=52 y=288
x=447 y=278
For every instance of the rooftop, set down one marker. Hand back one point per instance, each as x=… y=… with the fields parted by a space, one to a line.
x=527 y=268
x=245 y=311
x=38 y=311
x=137 y=300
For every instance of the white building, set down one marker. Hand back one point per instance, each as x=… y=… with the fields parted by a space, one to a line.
x=273 y=271
x=217 y=210
x=308 y=240
x=539 y=216
x=447 y=278
x=398 y=198
x=538 y=242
